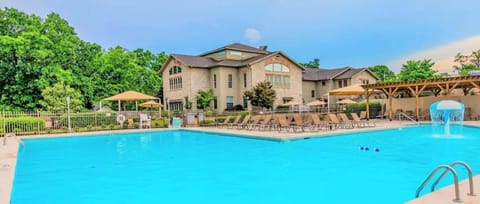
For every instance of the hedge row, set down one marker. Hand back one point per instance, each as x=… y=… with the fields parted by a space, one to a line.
x=374 y=107
x=22 y=124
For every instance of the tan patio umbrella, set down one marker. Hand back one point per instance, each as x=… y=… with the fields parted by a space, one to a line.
x=316 y=103
x=151 y=104
x=355 y=89
x=129 y=96
x=345 y=101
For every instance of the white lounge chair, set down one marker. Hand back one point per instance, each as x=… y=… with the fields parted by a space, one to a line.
x=145 y=121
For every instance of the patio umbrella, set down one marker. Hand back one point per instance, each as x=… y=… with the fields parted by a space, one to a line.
x=355 y=89
x=151 y=104
x=129 y=96
x=316 y=103
x=345 y=101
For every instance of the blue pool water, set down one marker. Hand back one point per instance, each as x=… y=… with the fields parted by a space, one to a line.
x=197 y=167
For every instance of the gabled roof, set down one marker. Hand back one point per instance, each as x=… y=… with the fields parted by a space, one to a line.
x=237 y=47
x=195 y=61
x=328 y=74
x=322 y=74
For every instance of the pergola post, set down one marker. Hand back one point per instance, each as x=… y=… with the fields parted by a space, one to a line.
x=367 y=106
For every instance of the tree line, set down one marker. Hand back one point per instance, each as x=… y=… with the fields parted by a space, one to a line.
x=43 y=59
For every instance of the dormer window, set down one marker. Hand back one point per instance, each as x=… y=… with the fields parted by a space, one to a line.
x=221 y=53
x=175 y=70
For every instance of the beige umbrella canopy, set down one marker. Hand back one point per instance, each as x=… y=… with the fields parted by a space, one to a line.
x=129 y=96
x=151 y=104
x=355 y=89
x=292 y=103
x=316 y=103
x=345 y=101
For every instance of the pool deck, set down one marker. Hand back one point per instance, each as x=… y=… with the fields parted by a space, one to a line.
x=8 y=155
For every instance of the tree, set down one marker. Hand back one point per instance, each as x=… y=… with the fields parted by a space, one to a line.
x=315 y=63
x=383 y=72
x=55 y=98
x=467 y=63
x=262 y=95
x=204 y=98
x=417 y=70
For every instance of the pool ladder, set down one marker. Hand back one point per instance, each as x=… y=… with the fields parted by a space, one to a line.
x=455 y=178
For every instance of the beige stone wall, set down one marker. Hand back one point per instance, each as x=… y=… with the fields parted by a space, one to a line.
x=199 y=80
x=295 y=74
x=364 y=75
x=307 y=87
x=177 y=94
x=471 y=101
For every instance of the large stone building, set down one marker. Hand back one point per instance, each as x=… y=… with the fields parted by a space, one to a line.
x=229 y=71
x=317 y=82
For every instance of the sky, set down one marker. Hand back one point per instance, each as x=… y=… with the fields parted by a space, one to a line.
x=338 y=32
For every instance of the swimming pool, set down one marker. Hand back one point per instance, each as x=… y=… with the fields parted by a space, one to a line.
x=198 y=167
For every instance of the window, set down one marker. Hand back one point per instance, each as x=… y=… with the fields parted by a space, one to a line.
x=236 y=53
x=245 y=102
x=176 y=106
x=175 y=70
x=287 y=99
x=215 y=102
x=276 y=68
x=244 y=80
x=230 y=81
x=323 y=83
x=342 y=83
x=313 y=93
x=229 y=101
x=221 y=53
x=175 y=83
x=365 y=81
x=279 y=81
x=345 y=82
x=214 y=81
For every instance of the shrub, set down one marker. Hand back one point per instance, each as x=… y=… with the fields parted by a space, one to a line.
x=237 y=107
x=374 y=108
x=282 y=108
x=23 y=124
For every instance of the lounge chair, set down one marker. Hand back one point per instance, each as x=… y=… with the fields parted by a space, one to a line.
x=365 y=123
x=235 y=122
x=318 y=124
x=225 y=122
x=244 y=122
x=337 y=124
x=265 y=124
x=254 y=123
x=283 y=124
x=300 y=124
x=347 y=122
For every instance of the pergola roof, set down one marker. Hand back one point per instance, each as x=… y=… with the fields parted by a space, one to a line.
x=445 y=85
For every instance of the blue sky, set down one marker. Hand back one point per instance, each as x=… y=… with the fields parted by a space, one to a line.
x=340 y=33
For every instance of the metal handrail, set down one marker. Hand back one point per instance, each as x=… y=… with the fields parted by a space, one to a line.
x=470 y=176
x=408 y=117
x=455 y=177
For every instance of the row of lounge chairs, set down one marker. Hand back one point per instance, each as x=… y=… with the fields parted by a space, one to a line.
x=295 y=122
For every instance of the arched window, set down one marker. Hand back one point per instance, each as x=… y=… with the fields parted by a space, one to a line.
x=275 y=67
x=175 y=70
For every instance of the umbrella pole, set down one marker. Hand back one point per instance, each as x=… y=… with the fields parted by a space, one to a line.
x=136 y=106
x=119 y=106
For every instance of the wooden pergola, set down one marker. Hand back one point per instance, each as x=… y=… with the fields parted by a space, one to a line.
x=436 y=86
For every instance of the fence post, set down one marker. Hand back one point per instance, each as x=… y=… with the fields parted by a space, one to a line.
x=4 y=124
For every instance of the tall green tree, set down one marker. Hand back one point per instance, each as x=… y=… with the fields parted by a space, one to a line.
x=261 y=95
x=315 y=63
x=55 y=98
x=383 y=72
x=204 y=98
x=417 y=70
x=467 y=63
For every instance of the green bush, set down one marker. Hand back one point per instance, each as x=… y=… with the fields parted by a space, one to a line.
x=160 y=123
x=282 y=108
x=374 y=108
x=22 y=124
x=89 y=119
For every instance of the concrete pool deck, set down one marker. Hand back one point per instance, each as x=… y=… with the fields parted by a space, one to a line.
x=8 y=154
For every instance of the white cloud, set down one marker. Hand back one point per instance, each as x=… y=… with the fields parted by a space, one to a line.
x=252 y=35
x=442 y=55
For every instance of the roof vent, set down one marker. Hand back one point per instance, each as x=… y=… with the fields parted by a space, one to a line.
x=263 y=47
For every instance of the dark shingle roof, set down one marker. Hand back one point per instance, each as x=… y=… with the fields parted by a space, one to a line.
x=322 y=74
x=195 y=61
x=237 y=47
x=349 y=73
